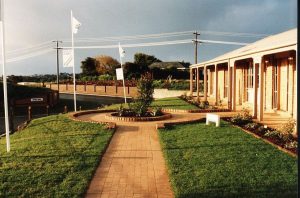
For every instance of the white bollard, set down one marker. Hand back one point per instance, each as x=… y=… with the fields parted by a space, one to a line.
x=213 y=118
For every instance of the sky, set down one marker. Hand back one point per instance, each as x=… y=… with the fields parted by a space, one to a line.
x=32 y=22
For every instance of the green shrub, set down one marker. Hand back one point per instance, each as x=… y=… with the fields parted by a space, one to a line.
x=252 y=126
x=145 y=95
x=272 y=133
x=157 y=111
x=179 y=85
x=242 y=118
x=204 y=105
x=261 y=130
x=105 y=77
x=291 y=145
x=123 y=112
x=286 y=130
x=158 y=83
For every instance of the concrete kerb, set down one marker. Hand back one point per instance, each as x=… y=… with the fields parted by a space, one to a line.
x=195 y=110
x=137 y=119
x=164 y=125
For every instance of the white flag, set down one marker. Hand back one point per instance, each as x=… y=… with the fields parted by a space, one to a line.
x=121 y=51
x=75 y=25
x=119 y=72
x=68 y=58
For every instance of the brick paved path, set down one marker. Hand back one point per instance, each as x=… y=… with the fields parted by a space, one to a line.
x=133 y=165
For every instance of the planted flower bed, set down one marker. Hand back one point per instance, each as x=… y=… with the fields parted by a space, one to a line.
x=204 y=106
x=282 y=137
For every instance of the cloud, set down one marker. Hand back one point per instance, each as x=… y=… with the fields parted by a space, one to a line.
x=34 y=21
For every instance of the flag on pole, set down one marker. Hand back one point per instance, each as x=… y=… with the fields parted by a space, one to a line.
x=75 y=25
x=68 y=58
x=121 y=51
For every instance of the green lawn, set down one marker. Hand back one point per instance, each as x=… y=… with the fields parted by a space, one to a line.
x=173 y=103
x=205 y=161
x=53 y=157
x=168 y=103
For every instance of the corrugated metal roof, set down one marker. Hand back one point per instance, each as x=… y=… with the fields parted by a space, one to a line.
x=280 y=40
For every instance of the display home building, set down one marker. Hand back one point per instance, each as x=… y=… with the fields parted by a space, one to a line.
x=260 y=76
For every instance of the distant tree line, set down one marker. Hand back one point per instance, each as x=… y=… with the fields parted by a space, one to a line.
x=103 y=68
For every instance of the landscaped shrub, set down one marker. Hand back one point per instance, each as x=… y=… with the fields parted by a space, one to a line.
x=179 y=85
x=252 y=126
x=157 y=111
x=286 y=130
x=105 y=77
x=204 y=105
x=242 y=118
x=125 y=112
x=145 y=95
x=291 y=145
x=272 y=133
x=185 y=97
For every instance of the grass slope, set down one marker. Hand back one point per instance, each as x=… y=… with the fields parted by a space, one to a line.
x=205 y=161
x=53 y=157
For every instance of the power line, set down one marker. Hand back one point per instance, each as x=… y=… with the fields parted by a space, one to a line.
x=155 y=44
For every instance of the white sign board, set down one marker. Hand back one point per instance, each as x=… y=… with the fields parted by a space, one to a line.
x=67 y=58
x=36 y=99
x=119 y=72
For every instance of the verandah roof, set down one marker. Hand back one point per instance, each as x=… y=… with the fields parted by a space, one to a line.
x=281 y=40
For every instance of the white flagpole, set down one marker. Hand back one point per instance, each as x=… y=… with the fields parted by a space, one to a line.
x=4 y=78
x=123 y=78
x=74 y=79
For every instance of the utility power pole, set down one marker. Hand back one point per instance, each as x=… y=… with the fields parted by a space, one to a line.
x=57 y=63
x=196 y=46
x=196 y=61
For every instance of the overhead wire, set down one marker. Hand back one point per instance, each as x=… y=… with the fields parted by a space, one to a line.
x=43 y=48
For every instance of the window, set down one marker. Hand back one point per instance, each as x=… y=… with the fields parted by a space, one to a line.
x=225 y=83
x=250 y=76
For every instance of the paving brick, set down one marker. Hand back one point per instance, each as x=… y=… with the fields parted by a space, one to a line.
x=133 y=165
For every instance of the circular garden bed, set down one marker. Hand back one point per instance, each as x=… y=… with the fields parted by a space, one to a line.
x=115 y=117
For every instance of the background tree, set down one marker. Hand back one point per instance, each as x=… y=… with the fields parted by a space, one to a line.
x=131 y=70
x=106 y=65
x=144 y=60
x=88 y=67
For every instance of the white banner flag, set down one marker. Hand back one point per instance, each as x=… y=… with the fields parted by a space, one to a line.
x=121 y=51
x=119 y=72
x=68 y=58
x=75 y=25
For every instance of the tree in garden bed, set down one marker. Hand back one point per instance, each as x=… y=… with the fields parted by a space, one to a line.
x=144 y=97
x=142 y=102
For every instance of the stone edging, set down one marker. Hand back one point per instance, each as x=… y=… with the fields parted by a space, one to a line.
x=137 y=119
x=108 y=125
x=163 y=125
x=258 y=137
x=195 y=110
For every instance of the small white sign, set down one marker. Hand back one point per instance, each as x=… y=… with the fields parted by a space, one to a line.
x=37 y=99
x=119 y=72
x=67 y=58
